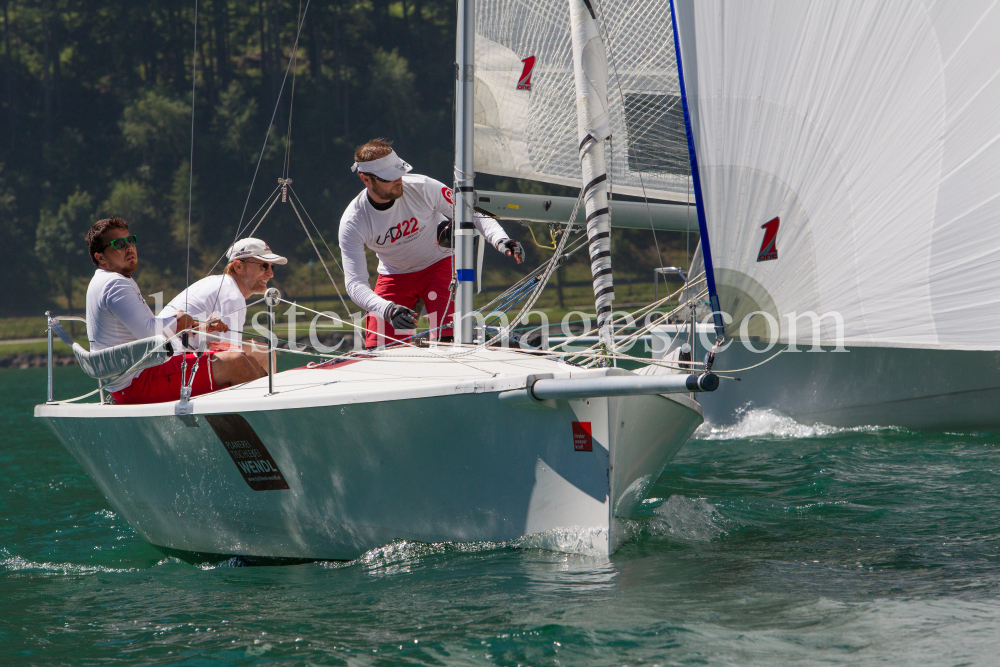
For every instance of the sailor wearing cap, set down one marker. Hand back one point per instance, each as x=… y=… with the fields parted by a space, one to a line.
x=398 y=216
x=117 y=314
x=251 y=265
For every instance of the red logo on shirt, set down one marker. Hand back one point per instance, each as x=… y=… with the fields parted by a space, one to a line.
x=446 y=193
x=405 y=228
x=768 y=249
x=524 y=83
x=583 y=440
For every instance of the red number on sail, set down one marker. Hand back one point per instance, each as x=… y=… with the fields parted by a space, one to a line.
x=768 y=249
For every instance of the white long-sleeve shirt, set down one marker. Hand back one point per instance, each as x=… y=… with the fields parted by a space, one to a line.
x=208 y=298
x=117 y=313
x=404 y=236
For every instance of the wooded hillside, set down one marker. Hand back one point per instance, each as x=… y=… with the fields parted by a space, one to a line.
x=95 y=120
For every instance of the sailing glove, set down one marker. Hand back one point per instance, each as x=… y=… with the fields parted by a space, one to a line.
x=512 y=248
x=444 y=233
x=401 y=317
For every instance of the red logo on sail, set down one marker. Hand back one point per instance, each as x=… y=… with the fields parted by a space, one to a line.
x=524 y=83
x=768 y=249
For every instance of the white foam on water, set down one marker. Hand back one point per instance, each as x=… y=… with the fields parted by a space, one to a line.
x=689 y=519
x=582 y=541
x=401 y=553
x=18 y=564
x=767 y=423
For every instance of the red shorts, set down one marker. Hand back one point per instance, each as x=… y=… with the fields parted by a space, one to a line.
x=430 y=284
x=162 y=384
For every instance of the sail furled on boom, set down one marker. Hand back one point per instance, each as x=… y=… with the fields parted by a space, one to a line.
x=849 y=155
x=525 y=113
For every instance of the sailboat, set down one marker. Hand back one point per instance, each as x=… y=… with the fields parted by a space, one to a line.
x=850 y=176
x=431 y=442
x=847 y=192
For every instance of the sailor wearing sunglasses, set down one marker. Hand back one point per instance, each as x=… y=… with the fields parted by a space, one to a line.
x=117 y=314
x=251 y=265
x=399 y=215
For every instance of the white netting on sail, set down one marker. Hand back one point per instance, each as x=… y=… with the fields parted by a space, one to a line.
x=525 y=111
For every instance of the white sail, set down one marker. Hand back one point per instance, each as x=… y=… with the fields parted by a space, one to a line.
x=869 y=130
x=525 y=115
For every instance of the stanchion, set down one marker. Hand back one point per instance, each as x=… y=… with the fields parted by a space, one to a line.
x=272 y=297
x=48 y=317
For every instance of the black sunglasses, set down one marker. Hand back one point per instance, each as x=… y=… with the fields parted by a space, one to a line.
x=264 y=265
x=122 y=243
x=380 y=180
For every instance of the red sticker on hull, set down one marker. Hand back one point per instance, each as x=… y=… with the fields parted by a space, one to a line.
x=583 y=439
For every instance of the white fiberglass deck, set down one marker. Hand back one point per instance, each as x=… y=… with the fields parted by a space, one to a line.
x=401 y=373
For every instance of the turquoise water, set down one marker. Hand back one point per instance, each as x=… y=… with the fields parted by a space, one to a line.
x=768 y=543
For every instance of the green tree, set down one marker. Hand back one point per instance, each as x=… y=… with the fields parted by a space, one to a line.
x=59 y=242
x=158 y=128
x=131 y=200
x=393 y=89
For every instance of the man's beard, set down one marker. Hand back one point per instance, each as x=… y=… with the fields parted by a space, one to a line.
x=390 y=192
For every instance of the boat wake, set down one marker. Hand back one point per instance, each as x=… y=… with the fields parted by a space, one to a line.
x=688 y=519
x=13 y=563
x=767 y=423
x=679 y=518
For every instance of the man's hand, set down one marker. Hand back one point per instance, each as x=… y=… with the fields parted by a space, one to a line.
x=512 y=248
x=185 y=321
x=216 y=325
x=401 y=318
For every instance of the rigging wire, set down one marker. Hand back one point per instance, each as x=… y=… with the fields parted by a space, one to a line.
x=187 y=271
x=194 y=81
x=333 y=256
x=291 y=100
x=277 y=103
x=321 y=260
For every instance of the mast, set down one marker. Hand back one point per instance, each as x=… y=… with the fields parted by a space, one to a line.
x=590 y=67
x=464 y=230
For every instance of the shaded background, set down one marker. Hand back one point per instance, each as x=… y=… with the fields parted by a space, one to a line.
x=95 y=121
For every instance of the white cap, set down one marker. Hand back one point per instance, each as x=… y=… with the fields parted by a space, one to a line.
x=247 y=248
x=388 y=168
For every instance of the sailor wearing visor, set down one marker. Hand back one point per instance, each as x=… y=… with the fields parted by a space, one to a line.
x=397 y=215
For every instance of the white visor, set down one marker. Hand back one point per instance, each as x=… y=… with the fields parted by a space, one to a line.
x=388 y=168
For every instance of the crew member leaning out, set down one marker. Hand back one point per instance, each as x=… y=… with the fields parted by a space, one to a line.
x=397 y=215
x=117 y=314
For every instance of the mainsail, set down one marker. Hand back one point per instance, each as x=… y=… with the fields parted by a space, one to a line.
x=525 y=113
x=850 y=160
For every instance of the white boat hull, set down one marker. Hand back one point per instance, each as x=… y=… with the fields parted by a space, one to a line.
x=916 y=388
x=421 y=461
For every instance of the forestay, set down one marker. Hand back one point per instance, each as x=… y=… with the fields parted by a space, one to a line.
x=525 y=113
x=850 y=163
